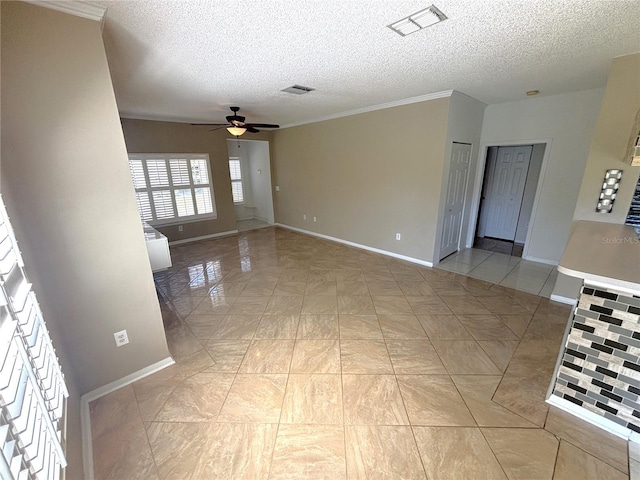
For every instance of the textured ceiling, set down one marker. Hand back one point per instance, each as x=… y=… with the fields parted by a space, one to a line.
x=190 y=60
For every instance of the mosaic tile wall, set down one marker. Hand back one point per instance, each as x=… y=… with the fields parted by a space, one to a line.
x=600 y=365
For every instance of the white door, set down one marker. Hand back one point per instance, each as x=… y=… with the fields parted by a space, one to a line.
x=456 y=193
x=503 y=200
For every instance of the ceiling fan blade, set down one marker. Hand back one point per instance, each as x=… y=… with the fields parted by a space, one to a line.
x=251 y=129
x=218 y=127
x=262 y=125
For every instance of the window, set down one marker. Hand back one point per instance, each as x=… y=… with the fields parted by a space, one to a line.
x=236 y=179
x=32 y=389
x=172 y=187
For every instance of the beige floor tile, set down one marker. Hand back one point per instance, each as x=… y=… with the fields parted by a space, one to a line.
x=464 y=304
x=372 y=400
x=504 y=304
x=254 y=398
x=534 y=357
x=318 y=327
x=281 y=305
x=227 y=355
x=443 y=327
x=345 y=287
x=309 y=452
x=203 y=326
x=428 y=305
x=320 y=305
x=604 y=446
x=355 y=305
x=185 y=304
x=316 y=356
x=284 y=326
x=268 y=356
x=249 y=304
x=289 y=288
x=294 y=275
x=456 y=453
x=401 y=326
x=237 y=451
x=182 y=342
x=359 y=327
x=524 y=454
x=416 y=288
x=573 y=463
x=414 y=357
x=387 y=304
x=464 y=357
x=517 y=323
x=382 y=452
x=237 y=327
x=120 y=446
x=499 y=351
x=384 y=287
x=259 y=288
x=434 y=400
x=321 y=287
x=524 y=395
x=364 y=356
x=214 y=305
x=313 y=399
x=177 y=447
x=486 y=327
x=197 y=399
x=477 y=392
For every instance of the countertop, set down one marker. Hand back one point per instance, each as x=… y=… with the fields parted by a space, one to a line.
x=603 y=253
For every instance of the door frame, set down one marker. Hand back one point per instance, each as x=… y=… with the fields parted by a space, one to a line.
x=479 y=179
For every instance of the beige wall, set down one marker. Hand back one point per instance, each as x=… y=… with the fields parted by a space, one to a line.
x=567 y=121
x=146 y=136
x=67 y=187
x=366 y=177
x=620 y=105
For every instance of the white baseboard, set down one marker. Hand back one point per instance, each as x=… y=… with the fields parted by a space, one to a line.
x=546 y=261
x=203 y=237
x=567 y=300
x=358 y=245
x=85 y=415
x=589 y=416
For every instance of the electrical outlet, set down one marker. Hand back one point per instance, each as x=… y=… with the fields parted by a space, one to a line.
x=304 y=217
x=121 y=338
x=277 y=188
x=398 y=236
x=180 y=228
x=315 y=219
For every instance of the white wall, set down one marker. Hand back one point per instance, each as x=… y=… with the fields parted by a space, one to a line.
x=528 y=196
x=567 y=121
x=464 y=126
x=256 y=175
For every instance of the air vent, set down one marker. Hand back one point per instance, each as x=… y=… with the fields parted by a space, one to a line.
x=419 y=20
x=298 y=90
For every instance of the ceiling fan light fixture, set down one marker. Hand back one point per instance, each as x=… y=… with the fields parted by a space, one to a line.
x=237 y=131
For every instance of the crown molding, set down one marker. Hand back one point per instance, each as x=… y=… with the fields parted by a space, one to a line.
x=77 y=8
x=372 y=108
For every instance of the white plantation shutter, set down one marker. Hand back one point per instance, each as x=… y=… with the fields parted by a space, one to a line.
x=32 y=389
x=235 y=172
x=171 y=188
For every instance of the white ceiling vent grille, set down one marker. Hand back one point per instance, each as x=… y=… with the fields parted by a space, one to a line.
x=298 y=89
x=422 y=19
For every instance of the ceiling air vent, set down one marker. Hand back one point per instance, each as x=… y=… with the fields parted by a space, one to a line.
x=298 y=89
x=419 y=20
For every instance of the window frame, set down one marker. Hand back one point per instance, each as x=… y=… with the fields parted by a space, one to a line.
x=241 y=180
x=167 y=158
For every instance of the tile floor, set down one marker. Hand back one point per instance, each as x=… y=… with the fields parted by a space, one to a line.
x=503 y=269
x=499 y=246
x=298 y=358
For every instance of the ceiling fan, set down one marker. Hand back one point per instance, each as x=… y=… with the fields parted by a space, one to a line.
x=236 y=126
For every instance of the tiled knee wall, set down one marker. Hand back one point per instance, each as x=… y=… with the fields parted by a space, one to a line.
x=600 y=365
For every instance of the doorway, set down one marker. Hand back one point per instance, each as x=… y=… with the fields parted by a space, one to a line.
x=507 y=197
x=455 y=199
x=250 y=174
